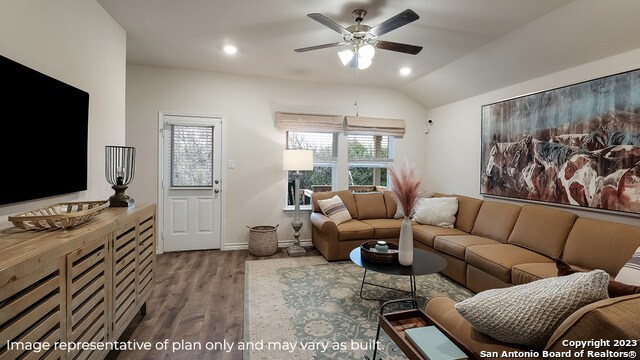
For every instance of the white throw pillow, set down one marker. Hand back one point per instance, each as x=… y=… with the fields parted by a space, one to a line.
x=439 y=211
x=630 y=272
x=529 y=314
x=335 y=210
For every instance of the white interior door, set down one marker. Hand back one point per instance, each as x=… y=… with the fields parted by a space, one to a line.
x=191 y=182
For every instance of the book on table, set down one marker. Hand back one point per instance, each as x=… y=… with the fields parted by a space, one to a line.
x=433 y=344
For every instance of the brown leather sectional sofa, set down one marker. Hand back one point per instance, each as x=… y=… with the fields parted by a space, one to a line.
x=496 y=245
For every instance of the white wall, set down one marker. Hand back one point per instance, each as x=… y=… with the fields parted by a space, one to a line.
x=453 y=145
x=77 y=42
x=254 y=191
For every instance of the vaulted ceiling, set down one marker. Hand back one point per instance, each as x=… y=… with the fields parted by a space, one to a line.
x=190 y=34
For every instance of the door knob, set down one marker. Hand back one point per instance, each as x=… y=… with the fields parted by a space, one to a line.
x=216 y=191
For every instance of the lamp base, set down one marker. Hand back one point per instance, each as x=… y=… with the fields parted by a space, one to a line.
x=296 y=250
x=120 y=199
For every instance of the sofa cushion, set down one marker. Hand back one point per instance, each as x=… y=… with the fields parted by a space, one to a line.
x=542 y=229
x=468 y=209
x=528 y=314
x=526 y=273
x=354 y=230
x=456 y=245
x=609 y=319
x=385 y=228
x=597 y=244
x=440 y=211
x=442 y=312
x=370 y=206
x=616 y=288
x=426 y=233
x=390 y=204
x=335 y=210
x=346 y=196
x=496 y=220
x=498 y=260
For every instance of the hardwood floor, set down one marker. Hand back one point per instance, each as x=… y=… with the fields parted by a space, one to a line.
x=198 y=297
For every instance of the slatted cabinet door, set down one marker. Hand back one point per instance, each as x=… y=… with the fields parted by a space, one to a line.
x=125 y=262
x=33 y=309
x=146 y=257
x=87 y=297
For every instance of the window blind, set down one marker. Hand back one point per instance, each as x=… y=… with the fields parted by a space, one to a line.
x=308 y=122
x=322 y=144
x=368 y=147
x=374 y=126
x=191 y=156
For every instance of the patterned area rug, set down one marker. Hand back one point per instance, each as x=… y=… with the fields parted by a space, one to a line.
x=308 y=308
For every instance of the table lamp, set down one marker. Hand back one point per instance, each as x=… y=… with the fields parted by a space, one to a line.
x=297 y=160
x=119 y=169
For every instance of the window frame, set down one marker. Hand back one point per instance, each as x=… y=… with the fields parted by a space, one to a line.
x=331 y=163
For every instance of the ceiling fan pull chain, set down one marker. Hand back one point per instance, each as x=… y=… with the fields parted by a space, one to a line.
x=355 y=103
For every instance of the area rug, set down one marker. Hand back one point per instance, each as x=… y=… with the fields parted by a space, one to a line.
x=308 y=308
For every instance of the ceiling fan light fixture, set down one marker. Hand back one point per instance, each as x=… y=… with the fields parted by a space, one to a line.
x=363 y=63
x=345 y=56
x=367 y=51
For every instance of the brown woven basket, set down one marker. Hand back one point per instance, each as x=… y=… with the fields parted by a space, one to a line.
x=263 y=240
x=59 y=216
x=369 y=253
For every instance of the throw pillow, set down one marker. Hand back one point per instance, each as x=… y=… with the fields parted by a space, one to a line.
x=630 y=272
x=614 y=288
x=528 y=314
x=335 y=210
x=440 y=211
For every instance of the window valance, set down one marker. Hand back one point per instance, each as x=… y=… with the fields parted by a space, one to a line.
x=374 y=126
x=308 y=122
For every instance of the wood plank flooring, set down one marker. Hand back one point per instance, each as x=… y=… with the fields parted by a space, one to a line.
x=198 y=297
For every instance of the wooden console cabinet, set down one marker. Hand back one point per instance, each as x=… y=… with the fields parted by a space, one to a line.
x=80 y=285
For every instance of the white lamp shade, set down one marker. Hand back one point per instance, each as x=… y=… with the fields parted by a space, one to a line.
x=367 y=51
x=345 y=56
x=363 y=63
x=297 y=160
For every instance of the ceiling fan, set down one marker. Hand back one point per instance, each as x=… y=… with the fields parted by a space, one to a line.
x=363 y=39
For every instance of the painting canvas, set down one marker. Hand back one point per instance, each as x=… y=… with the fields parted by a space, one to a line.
x=575 y=145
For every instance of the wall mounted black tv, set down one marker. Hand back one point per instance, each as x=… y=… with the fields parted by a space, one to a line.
x=44 y=126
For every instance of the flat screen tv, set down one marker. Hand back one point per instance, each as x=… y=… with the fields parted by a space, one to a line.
x=44 y=126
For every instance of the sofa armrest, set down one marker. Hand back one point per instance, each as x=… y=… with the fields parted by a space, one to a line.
x=323 y=223
x=609 y=319
x=442 y=313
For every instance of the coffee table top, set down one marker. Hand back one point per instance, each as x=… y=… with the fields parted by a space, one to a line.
x=424 y=262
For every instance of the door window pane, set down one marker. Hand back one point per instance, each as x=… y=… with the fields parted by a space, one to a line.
x=191 y=156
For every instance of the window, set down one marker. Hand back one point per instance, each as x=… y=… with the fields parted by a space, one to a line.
x=191 y=156
x=368 y=157
x=325 y=154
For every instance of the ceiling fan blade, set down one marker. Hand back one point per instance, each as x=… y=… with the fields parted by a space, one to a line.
x=316 y=47
x=395 y=22
x=329 y=23
x=399 y=47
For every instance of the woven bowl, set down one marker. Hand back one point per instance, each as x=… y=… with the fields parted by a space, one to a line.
x=60 y=216
x=368 y=252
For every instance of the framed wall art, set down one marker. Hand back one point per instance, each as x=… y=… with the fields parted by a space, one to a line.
x=575 y=145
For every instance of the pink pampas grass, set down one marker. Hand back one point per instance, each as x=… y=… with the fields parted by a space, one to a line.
x=406 y=185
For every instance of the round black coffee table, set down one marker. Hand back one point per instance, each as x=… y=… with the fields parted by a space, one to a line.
x=424 y=262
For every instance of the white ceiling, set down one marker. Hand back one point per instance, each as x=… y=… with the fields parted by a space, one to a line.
x=190 y=34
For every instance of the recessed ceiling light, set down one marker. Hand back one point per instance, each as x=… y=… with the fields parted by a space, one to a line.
x=405 y=71
x=230 y=49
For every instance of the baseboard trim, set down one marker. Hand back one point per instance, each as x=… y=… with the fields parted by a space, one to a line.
x=281 y=244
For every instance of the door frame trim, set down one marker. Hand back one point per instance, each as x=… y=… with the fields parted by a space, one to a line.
x=160 y=175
